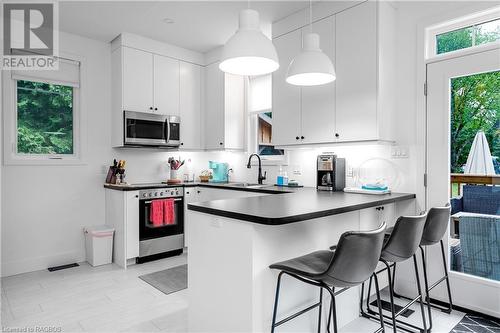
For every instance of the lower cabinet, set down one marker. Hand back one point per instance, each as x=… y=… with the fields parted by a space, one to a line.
x=122 y=213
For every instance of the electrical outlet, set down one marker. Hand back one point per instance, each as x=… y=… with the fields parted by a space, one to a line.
x=400 y=152
x=297 y=171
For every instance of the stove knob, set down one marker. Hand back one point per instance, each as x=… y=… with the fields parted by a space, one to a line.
x=172 y=193
x=144 y=195
x=161 y=193
x=177 y=192
x=150 y=194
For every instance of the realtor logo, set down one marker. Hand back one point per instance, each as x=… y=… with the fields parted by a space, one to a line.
x=29 y=35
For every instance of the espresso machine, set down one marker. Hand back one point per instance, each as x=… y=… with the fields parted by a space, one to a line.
x=330 y=174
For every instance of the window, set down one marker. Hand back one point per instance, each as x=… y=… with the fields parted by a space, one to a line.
x=260 y=124
x=264 y=136
x=475 y=30
x=44 y=118
x=468 y=37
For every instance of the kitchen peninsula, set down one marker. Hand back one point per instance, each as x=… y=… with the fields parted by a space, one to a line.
x=231 y=288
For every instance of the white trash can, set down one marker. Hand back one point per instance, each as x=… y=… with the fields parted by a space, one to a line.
x=99 y=244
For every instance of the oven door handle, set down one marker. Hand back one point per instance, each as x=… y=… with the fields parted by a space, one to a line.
x=147 y=202
x=167 y=130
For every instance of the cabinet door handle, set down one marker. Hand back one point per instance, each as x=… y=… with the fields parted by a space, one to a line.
x=302 y=137
x=136 y=196
x=296 y=138
x=182 y=143
x=187 y=192
x=199 y=192
x=220 y=143
x=151 y=108
x=156 y=109
x=337 y=135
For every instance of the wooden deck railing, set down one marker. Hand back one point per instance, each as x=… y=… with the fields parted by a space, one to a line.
x=460 y=178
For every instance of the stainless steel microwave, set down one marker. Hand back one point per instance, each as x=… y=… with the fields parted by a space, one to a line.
x=149 y=129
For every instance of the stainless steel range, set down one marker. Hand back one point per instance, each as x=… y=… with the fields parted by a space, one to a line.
x=158 y=240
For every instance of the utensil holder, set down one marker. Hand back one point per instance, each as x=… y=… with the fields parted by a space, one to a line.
x=174 y=174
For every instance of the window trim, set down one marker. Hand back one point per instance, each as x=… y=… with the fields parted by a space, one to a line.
x=478 y=18
x=253 y=142
x=10 y=155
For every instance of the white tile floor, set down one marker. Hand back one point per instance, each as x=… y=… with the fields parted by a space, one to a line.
x=109 y=299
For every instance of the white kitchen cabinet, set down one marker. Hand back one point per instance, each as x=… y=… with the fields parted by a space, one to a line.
x=224 y=110
x=150 y=82
x=122 y=213
x=165 y=85
x=132 y=223
x=190 y=106
x=318 y=102
x=356 y=45
x=286 y=97
x=214 y=107
x=359 y=104
x=303 y=115
x=137 y=79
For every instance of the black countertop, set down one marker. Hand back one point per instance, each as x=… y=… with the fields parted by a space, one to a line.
x=297 y=205
x=284 y=205
x=270 y=189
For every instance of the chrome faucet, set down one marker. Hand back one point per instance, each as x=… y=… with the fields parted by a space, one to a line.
x=260 y=177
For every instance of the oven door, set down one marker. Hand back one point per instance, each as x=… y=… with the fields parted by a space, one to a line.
x=145 y=129
x=146 y=228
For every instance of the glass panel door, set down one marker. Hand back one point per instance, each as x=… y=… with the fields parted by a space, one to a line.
x=462 y=120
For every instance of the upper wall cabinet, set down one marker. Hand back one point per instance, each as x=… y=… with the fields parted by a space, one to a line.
x=358 y=106
x=190 y=106
x=150 y=82
x=224 y=117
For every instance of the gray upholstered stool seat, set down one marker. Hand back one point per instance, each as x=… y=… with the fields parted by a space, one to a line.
x=311 y=265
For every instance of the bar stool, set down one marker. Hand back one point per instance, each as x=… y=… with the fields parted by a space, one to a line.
x=434 y=230
x=351 y=263
x=400 y=245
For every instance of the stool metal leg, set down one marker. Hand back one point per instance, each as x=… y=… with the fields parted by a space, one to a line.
x=420 y=293
x=391 y=294
x=276 y=301
x=379 y=304
x=450 y=306
x=332 y=312
x=320 y=308
x=426 y=283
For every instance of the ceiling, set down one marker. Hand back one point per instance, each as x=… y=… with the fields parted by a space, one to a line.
x=198 y=26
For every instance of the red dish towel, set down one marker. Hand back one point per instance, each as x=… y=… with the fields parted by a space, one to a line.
x=168 y=212
x=156 y=213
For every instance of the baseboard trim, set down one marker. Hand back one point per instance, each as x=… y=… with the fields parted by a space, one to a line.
x=40 y=263
x=465 y=310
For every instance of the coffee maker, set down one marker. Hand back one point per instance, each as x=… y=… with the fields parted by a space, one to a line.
x=330 y=174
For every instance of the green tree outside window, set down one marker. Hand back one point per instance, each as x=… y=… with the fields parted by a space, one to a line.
x=44 y=118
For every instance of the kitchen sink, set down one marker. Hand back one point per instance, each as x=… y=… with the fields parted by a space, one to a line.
x=250 y=185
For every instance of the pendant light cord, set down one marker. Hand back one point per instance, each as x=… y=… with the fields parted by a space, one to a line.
x=310 y=16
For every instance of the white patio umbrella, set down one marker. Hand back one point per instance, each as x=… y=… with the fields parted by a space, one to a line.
x=479 y=161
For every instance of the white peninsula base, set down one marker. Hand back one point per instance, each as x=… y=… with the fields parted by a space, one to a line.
x=230 y=285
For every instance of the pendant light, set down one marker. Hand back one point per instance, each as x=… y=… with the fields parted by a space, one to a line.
x=249 y=52
x=311 y=67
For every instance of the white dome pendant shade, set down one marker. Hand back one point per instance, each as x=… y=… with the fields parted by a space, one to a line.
x=311 y=67
x=249 y=52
